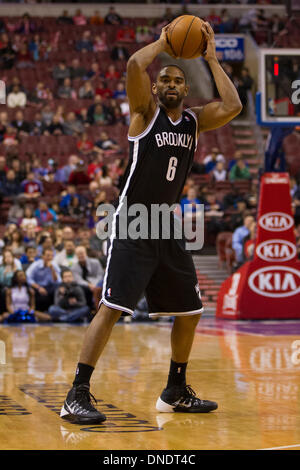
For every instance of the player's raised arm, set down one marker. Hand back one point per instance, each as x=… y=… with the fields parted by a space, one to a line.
x=138 y=83
x=218 y=113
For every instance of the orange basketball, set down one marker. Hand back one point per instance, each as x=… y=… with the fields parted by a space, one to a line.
x=186 y=38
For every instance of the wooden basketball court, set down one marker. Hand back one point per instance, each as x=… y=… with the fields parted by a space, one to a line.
x=247 y=367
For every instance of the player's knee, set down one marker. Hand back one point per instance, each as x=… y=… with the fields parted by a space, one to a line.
x=111 y=314
x=190 y=320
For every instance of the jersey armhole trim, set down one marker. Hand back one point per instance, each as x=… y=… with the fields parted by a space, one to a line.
x=148 y=128
x=188 y=110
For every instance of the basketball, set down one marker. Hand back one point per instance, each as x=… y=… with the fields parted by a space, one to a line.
x=186 y=38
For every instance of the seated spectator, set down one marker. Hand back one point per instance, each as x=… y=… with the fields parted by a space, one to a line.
x=26 y=25
x=65 y=18
x=237 y=156
x=124 y=106
x=85 y=44
x=29 y=256
x=15 y=214
x=63 y=174
x=66 y=257
x=20 y=302
x=83 y=117
x=16 y=98
x=219 y=173
x=102 y=177
x=276 y=25
x=119 y=52
x=3 y=168
x=69 y=301
x=239 y=171
x=126 y=34
x=211 y=160
x=43 y=241
x=120 y=92
x=66 y=90
x=103 y=90
x=143 y=35
x=10 y=138
x=96 y=18
x=189 y=203
x=56 y=127
x=47 y=115
x=79 y=19
x=7 y=268
x=100 y=43
x=79 y=175
x=86 y=91
x=23 y=127
x=214 y=20
x=249 y=242
x=38 y=48
x=96 y=164
x=112 y=17
x=38 y=169
x=37 y=126
x=7 y=54
x=72 y=125
x=60 y=72
x=24 y=58
x=238 y=239
x=84 y=144
x=100 y=116
x=76 y=70
x=227 y=23
x=106 y=143
x=236 y=219
x=32 y=188
x=10 y=187
x=112 y=73
x=43 y=276
x=212 y=206
x=244 y=84
x=88 y=273
x=45 y=215
x=41 y=94
x=3 y=124
x=28 y=218
x=94 y=72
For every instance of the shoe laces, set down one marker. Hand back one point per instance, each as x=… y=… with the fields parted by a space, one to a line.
x=84 y=396
x=189 y=392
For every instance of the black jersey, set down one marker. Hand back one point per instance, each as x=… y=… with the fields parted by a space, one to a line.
x=160 y=159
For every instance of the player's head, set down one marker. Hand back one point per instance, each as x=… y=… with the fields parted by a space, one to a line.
x=170 y=86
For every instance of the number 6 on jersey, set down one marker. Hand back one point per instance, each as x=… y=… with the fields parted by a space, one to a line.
x=172 y=168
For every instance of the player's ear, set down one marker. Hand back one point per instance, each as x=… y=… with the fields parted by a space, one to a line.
x=187 y=90
x=154 y=89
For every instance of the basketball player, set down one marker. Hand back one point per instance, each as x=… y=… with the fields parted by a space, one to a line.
x=162 y=139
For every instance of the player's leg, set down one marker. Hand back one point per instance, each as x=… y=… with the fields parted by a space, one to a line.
x=182 y=337
x=78 y=407
x=129 y=269
x=174 y=291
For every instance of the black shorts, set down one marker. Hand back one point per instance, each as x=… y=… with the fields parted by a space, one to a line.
x=162 y=269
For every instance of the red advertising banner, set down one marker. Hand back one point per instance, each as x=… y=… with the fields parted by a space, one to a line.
x=268 y=286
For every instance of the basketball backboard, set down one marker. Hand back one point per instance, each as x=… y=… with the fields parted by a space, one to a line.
x=278 y=99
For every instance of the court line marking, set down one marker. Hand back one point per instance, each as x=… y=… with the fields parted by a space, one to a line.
x=281 y=447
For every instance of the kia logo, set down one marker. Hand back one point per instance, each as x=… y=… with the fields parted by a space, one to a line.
x=275 y=281
x=276 y=250
x=276 y=221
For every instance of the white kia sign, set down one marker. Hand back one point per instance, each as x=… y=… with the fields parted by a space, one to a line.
x=276 y=221
x=275 y=281
x=276 y=250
